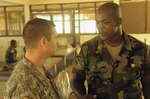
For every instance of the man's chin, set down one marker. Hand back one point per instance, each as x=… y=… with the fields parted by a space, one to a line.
x=52 y=53
x=102 y=38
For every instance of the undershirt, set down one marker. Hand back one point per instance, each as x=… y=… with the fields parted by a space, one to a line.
x=114 y=51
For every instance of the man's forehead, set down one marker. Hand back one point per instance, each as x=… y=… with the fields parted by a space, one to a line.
x=106 y=11
x=104 y=15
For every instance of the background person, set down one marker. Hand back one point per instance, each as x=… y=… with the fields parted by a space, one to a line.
x=11 y=53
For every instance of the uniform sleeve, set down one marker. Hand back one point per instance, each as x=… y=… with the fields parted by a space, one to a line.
x=147 y=66
x=20 y=92
x=79 y=76
x=146 y=77
x=81 y=59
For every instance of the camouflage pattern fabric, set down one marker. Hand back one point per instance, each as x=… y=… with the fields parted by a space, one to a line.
x=27 y=81
x=107 y=78
x=11 y=54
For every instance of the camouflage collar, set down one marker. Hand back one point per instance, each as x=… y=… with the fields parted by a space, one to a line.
x=127 y=44
x=32 y=69
x=26 y=61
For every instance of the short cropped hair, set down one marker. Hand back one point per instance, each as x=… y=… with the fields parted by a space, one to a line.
x=35 y=29
x=13 y=42
x=113 y=7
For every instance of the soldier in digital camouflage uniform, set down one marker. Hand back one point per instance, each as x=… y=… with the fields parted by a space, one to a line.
x=114 y=64
x=11 y=53
x=30 y=80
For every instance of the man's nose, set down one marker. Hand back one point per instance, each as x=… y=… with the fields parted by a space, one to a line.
x=100 y=26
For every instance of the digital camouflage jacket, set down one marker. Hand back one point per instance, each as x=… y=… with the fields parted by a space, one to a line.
x=27 y=81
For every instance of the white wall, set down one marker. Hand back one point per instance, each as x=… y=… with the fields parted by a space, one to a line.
x=143 y=37
x=84 y=38
x=4 y=43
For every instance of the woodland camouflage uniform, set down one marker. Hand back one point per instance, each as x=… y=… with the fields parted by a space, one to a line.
x=107 y=78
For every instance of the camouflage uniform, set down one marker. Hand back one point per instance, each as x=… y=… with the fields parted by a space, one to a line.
x=27 y=81
x=11 y=54
x=107 y=78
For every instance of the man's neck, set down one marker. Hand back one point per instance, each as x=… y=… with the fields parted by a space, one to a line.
x=35 y=58
x=116 y=40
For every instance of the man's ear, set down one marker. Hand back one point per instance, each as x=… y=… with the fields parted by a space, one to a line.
x=118 y=21
x=43 y=41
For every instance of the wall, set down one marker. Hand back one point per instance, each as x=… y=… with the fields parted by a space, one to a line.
x=2 y=24
x=133 y=14
x=84 y=38
x=148 y=18
x=144 y=37
x=136 y=16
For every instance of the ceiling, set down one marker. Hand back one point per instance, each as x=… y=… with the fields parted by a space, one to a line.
x=14 y=1
x=23 y=2
x=2 y=3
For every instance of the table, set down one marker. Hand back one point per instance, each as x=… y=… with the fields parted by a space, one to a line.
x=4 y=75
x=64 y=52
x=49 y=63
x=52 y=61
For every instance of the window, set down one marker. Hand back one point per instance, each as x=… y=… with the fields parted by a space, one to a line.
x=71 y=20
x=38 y=8
x=2 y=22
x=57 y=19
x=43 y=16
x=12 y=20
x=87 y=20
x=68 y=21
x=78 y=18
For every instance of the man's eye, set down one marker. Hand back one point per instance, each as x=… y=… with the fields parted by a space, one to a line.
x=97 y=21
x=105 y=22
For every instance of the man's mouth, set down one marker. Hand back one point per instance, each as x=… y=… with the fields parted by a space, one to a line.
x=101 y=34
